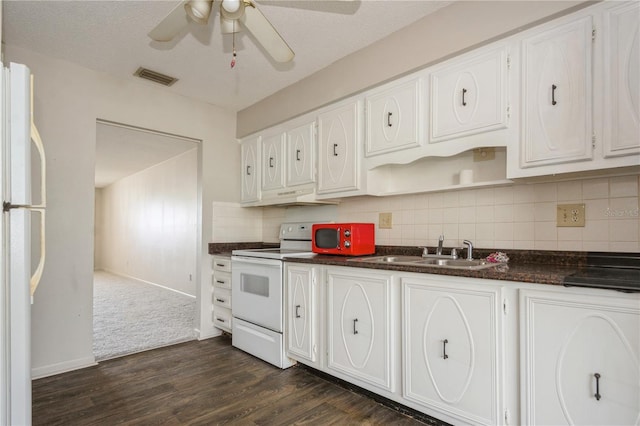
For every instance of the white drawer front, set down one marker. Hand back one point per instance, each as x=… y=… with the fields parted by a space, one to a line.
x=222 y=319
x=221 y=280
x=221 y=264
x=222 y=297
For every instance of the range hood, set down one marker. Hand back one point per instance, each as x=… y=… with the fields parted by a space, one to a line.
x=302 y=196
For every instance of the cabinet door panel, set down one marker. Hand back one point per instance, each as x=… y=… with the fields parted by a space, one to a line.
x=452 y=348
x=339 y=138
x=300 y=149
x=301 y=313
x=567 y=340
x=469 y=96
x=359 y=327
x=557 y=122
x=272 y=162
x=394 y=119
x=249 y=178
x=622 y=80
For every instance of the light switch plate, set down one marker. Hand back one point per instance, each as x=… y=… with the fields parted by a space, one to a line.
x=384 y=221
x=571 y=215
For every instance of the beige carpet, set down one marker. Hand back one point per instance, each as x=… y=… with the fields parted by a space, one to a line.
x=130 y=316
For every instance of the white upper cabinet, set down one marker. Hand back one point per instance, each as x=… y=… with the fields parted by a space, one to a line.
x=250 y=182
x=300 y=155
x=557 y=94
x=580 y=361
x=394 y=118
x=273 y=161
x=469 y=95
x=622 y=79
x=339 y=148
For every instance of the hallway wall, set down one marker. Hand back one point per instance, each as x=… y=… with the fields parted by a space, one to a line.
x=149 y=224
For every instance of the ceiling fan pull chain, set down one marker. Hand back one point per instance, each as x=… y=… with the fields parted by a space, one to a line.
x=233 y=60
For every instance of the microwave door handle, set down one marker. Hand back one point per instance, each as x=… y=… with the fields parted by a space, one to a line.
x=339 y=235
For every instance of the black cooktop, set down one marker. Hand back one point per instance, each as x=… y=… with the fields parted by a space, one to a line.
x=615 y=272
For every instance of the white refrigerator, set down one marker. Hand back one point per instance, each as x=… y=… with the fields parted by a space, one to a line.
x=18 y=278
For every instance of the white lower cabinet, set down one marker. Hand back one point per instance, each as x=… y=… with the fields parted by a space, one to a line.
x=359 y=325
x=301 y=314
x=221 y=293
x=579 y=358
x=471 y=351
x=452 y=357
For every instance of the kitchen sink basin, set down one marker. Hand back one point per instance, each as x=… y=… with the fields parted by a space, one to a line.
x=426 y=261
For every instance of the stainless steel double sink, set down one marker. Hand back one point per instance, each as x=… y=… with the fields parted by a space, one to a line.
x=441 y=262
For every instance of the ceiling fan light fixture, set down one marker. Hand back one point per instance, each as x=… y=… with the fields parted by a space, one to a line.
x=199 y=10
x=231 y=5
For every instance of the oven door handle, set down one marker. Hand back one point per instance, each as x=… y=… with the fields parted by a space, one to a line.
x=256 y=260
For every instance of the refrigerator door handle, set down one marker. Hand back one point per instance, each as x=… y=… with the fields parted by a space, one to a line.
x=37 y=140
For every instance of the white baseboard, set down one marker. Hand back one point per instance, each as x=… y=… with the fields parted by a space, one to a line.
x=214 y=332
x=148 y=282
x=63 y=367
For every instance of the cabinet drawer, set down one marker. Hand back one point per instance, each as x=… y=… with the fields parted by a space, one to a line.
x=222 y=297
x=221 y=264
x=221 y=280
x=222 y=319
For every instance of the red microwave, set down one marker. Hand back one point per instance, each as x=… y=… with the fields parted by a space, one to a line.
x=347 y=239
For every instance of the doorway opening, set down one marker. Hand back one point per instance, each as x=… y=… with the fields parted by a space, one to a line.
x=146 y=239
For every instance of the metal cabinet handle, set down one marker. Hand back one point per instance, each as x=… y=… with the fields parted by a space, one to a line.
x=553 y=94
x=464 y=91
x=271 y=162
x=248 y=170
x=297 y=311
x=389 y=114
x=335 y=145
x=354 y=326
x=220 y=265
x=220 y=300
x=220 y=281
x=220 y=320
x=597 y=395
x=444 y=348
x=297 y=155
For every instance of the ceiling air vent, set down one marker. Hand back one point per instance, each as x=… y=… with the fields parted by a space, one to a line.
x=154 y=76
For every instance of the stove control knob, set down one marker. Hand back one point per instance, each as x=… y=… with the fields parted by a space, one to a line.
x=290 y=229
x=347 y=244
x=347 y=233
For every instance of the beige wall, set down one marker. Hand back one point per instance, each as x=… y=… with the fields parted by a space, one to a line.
x=450 y=30
x=149 y=224
x=519 y=216
x=68 y=101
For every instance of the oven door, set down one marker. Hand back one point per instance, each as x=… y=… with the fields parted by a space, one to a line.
x=256 y=291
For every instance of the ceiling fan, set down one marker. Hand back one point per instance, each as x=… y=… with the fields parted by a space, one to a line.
x=232 y=12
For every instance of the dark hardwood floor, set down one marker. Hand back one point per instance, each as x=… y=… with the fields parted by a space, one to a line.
x=200 y=383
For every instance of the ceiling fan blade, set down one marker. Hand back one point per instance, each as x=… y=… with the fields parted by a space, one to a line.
x=171 y=25
x=258 y=25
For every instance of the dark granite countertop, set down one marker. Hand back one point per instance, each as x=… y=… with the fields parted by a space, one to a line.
x=527 y=266
x=550 y=269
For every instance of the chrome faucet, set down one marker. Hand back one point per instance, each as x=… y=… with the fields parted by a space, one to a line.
x=469 y=245
x=439 y=249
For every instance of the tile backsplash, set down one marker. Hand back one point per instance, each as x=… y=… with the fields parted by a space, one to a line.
x=519 y=216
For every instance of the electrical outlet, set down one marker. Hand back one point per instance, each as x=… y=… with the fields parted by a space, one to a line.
x=384 y=221
x=570 y=215
x=484 y=154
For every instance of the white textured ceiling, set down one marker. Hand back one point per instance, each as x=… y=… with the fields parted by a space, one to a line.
x=111 y=36
x=122 y=151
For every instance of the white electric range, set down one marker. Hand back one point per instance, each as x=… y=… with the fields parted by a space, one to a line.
x=257 y=288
